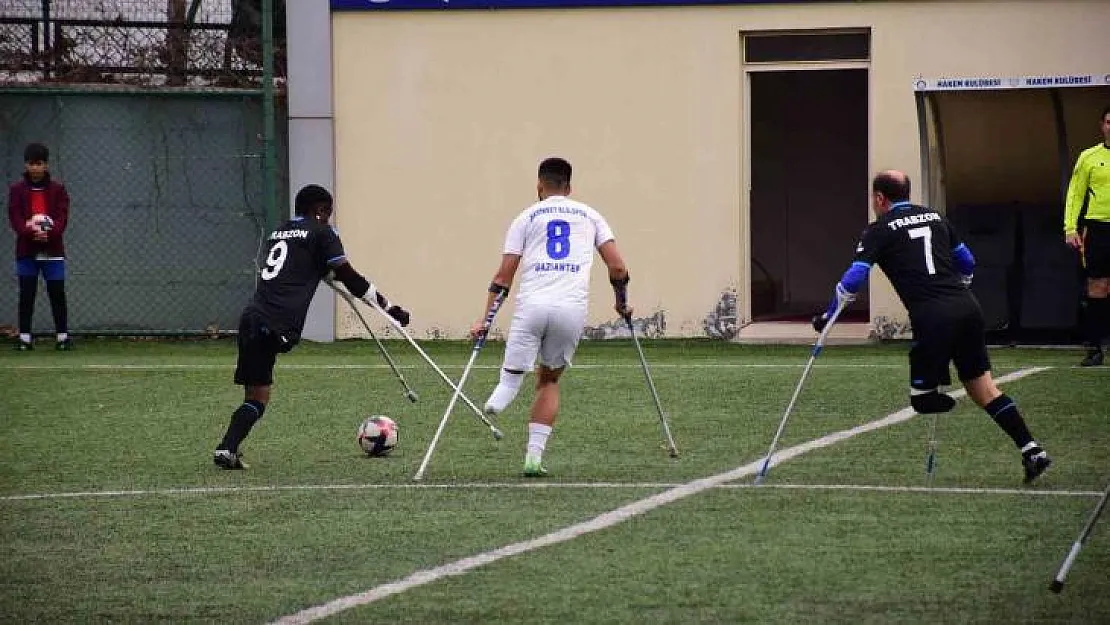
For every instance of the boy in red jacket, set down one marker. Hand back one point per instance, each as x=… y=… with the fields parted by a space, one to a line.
x=38 y=209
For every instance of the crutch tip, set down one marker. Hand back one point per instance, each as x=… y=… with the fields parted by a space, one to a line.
x=412 y=396
x=1056 y=586
x=497 y=434
x=674 y=453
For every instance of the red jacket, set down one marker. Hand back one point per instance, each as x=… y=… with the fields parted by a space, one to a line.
x=19 y=212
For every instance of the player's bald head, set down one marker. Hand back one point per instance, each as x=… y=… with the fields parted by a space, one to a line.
x=894 y=185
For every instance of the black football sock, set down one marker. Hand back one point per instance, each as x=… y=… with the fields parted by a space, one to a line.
x=1094 y=321
x=242 y=420
x=28 y=286
x=1005 y=413
x=1102 y=315
x=56 y=289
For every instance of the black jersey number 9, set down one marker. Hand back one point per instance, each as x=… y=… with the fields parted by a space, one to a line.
x=275 y=260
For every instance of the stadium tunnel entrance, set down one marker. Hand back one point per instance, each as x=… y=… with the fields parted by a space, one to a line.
x=997 y=162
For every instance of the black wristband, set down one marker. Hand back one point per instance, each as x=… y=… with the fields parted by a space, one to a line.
x=498 y=289
x=620 y=289
x=357 y=285
x=353 y=280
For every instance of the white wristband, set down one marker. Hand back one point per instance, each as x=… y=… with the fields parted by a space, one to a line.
x=371 y=295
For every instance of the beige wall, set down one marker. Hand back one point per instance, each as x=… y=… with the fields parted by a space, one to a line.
x=441 y=118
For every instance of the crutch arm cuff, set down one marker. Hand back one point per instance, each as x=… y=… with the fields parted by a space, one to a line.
x=620 y=289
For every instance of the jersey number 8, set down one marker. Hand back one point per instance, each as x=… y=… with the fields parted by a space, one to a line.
x=558 y=239
x=275 y=260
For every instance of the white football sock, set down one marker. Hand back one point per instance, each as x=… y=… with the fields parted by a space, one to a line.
x=505 y=392
x=26 y=338
x=537 y=438
x=63 y=336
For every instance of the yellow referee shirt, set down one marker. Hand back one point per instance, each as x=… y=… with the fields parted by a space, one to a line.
x=1090 y=178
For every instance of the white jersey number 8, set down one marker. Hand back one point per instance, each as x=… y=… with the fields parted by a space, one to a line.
x=275 y=260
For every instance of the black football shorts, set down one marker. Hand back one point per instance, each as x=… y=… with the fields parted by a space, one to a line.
x=946 y=331
x=1096 y=249
x=258 y=350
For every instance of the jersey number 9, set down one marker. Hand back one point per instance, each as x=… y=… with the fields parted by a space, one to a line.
x=558 y=239
x=275 y=260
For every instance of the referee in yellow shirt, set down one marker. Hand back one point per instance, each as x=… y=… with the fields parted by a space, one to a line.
x=1090 y=185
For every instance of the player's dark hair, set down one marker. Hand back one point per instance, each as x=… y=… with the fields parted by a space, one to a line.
x=36 y=152
x=894 y=187
x=555 y=173
x=1105 y=112
x=309 y=197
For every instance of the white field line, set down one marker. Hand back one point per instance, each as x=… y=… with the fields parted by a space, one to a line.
x=341 y=366
x=602 y=521
x=324 y=366
x=948 y=490
x=231 y=490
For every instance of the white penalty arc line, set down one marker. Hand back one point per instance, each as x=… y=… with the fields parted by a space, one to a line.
x=231 y=490
x=602 y=521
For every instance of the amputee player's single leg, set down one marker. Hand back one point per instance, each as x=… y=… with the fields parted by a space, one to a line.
x=254 y=370
x=973 y=365
x=1096 y=256
x=521 y=348
x=559 y=341
x=545 y=407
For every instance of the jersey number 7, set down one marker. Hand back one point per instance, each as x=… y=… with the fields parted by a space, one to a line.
x=926 y=234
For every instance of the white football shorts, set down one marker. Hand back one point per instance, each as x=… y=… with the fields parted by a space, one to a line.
x=551 y=332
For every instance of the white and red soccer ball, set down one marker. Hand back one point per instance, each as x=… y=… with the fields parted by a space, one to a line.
x=377 y=436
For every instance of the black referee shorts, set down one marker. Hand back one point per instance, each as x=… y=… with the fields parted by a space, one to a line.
x=948 y=331
x=258 y=350
x=1096 y=249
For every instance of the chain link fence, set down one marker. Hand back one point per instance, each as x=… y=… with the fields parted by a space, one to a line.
x=197 y=43
x=155 y=114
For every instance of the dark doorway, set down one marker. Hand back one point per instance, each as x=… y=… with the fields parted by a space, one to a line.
x=809 y=199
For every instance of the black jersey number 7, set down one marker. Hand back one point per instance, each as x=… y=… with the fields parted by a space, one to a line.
x=275 y=260
x=925 y=233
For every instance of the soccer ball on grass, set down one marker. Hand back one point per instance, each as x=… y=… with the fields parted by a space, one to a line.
x=377 y=436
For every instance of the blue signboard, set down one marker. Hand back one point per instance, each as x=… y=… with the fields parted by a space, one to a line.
x=415 y=5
